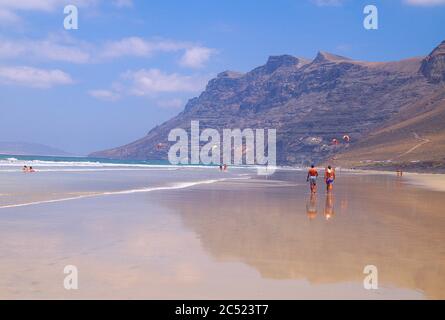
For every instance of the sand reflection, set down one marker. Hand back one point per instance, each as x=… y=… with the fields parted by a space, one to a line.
x=278 y=232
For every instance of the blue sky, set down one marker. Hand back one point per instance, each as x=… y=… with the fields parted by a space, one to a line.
x=133 y=64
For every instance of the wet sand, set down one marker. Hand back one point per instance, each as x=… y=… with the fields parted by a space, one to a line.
x=431 y=181
x=237 y=238
x=428 y=181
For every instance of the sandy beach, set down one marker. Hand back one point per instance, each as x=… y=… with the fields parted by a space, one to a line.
x=196 y=233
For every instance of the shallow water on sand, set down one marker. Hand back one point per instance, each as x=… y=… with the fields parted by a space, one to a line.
x=235 y=238
x=55 y=185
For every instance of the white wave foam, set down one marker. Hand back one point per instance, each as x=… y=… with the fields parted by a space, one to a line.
x=40 y=164
x=12 y=162
x=180 y=185
x=92 y=170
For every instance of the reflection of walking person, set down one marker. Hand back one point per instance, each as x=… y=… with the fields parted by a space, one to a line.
x=329 y=206
x=312 y=178
x=329 y=176
x=311 y=207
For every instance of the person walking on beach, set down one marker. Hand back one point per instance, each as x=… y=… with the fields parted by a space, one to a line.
x=312 y=178
x=329 y=176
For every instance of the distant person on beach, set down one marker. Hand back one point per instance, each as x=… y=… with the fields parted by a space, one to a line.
x=225 y=167
x=312 y=176
x=220 y=168
x=329 y=176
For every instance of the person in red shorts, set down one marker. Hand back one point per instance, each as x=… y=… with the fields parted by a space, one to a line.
x=312 y=176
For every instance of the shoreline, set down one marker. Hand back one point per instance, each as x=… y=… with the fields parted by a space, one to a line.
x=427 y=178
x=429 y=167
x=424 y=180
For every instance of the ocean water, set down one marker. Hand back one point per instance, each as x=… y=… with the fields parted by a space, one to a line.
x=62 y=179
x=12 y=161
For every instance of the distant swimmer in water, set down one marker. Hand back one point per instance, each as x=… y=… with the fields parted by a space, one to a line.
x=311 y=207
x=329 y=176
x=312 y=176
x=31 y=170
x=25 y=169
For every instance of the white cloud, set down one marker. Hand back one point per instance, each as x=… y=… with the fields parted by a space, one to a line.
x=48 y=49
x=39 y=5
x=152 y=83
x=33 y=77
x=123 y=3
x=66 y=49
x=43 y=5
x=323 y=3
x=8 y=17
x=148 y=82
x=135 y=46
x=60 y=52
x=9 y=8
x=106 y=95
x=424 y=2
x=196 y=57
x=9 y=49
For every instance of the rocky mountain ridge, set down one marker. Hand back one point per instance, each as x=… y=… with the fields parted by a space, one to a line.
x=309 y=103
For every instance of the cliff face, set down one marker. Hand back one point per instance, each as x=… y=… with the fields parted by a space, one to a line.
x=414 y=139
x=433 y=66
x=309 y=103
